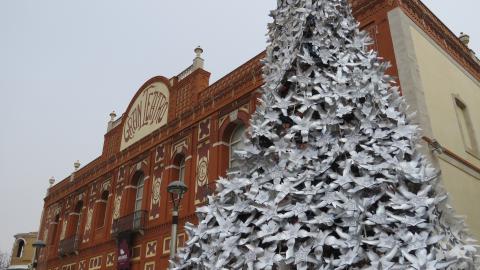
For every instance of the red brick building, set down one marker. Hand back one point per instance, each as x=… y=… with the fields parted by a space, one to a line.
x=179 y=128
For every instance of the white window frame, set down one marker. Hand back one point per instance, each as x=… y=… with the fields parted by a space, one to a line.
x=181 y=171
x=236 y=139
x=139 y=194
x=466 y=127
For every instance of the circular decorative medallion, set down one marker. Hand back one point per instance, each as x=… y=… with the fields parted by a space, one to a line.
x=202 y=171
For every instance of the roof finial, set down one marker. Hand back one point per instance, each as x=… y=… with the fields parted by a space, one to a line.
x=51 y=181
x=198 y=61
x=464 y=38
x=198 y=51
x=76 y=165
x=113 y=115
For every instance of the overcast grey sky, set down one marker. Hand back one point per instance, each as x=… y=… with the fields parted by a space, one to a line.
x=65 y=65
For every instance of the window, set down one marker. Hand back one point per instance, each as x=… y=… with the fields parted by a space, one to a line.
x=74 y=221
x=78 y=211
x=466 y=127
x=54 y=226
x=20 y=247
x=181 y=170
x=101 y=210
x=139 y=194
x=236 y=143
x=137 y=214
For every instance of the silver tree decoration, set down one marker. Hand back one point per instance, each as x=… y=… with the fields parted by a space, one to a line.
x=331 y=177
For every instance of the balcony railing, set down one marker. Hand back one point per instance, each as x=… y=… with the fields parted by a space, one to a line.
x=68 y=246
x=134 y=222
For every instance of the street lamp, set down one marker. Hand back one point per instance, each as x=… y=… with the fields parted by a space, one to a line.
x=176 y=189
x=37 y=245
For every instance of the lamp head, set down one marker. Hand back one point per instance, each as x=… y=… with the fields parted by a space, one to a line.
x=177 y=188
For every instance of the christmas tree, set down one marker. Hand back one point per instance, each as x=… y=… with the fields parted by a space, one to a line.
x=331 y=177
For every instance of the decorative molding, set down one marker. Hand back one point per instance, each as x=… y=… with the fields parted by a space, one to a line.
x=172 y=167
x=82 y=265
x=204 y=129
x=166 y=245
x=95 y=263
x=136 y=252
x=454 y=159
x=149 y=265
x=428 y=22
x=156 y=198
x=110 y=259
x=433 y=26
x=220 y=143
x=151 y=249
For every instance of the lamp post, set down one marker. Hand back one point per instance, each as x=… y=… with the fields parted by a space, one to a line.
x=176 y=189
x=37 y=245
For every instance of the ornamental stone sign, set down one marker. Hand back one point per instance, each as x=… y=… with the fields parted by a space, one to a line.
x=148 y=112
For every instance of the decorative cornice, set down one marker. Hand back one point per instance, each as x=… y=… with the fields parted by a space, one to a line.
x=250 y=72
x=362 y=8
x=428 y=22
x=444 y=37
x=454 y=156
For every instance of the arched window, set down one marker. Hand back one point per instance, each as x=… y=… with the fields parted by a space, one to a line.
x=20 y=247
x=179 y=168
x=236 y=143
x=101 y=210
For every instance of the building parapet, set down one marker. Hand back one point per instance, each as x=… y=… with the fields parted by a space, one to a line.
x=198 y=63
x=429 y=23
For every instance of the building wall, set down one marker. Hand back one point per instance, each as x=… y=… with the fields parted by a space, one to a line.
x=200 y=121
x=430 y=80
x=201 y=118
x=28 y=251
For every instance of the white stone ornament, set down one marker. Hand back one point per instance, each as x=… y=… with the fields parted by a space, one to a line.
x=157 y=184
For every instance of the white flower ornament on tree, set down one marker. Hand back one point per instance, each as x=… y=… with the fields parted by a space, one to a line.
x=330 y=176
